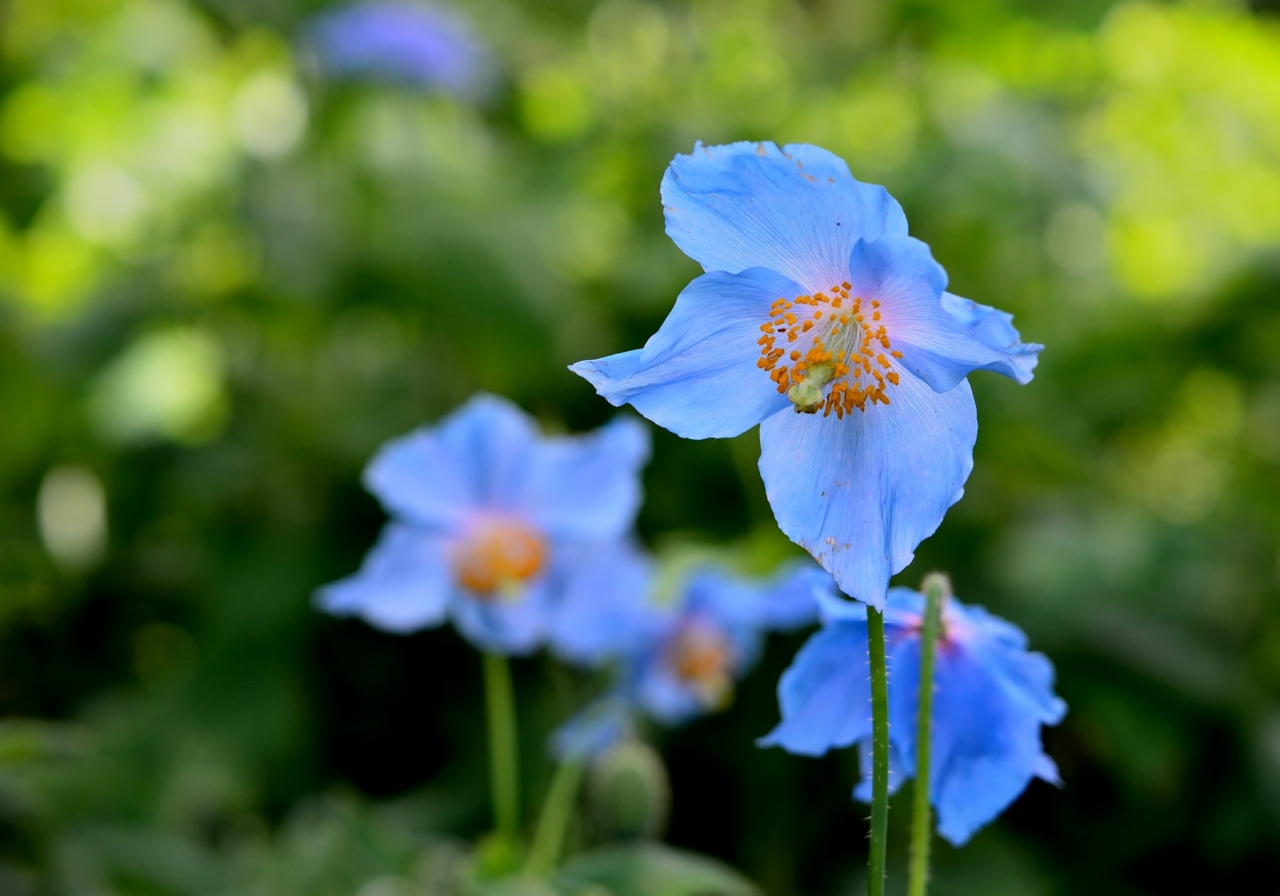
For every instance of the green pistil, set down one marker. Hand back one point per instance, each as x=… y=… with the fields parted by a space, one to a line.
x=808 y=395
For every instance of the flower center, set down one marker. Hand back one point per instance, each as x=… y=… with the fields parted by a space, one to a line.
x=828 y=352
x=498 y=556
x=702 y=656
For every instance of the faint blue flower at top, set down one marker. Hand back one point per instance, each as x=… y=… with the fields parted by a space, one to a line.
x=821 y=320
x=498 y=528
x=991 y=698
x=412 y=43
x=681 y=658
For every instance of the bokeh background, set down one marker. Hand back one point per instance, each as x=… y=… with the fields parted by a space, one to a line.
x=227 y=275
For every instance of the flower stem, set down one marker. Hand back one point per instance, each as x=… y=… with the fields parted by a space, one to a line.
x=504 y=765
x=553 y=822
x=936 y=589
x=879 y=753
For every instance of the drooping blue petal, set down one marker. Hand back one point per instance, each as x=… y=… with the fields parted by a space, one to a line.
x=404 y=584
x=986 y=746
x=991 y=698
x=994 y=329
x=587 y=487
x=514 y=624
x=697 y=376
x=861 y=493
x=411 y=43
x=604 y=608
x=592 y=730
x=825 y=694
x=1001 y=648
x=475 y=458
x=899 y=272
x=795 y=210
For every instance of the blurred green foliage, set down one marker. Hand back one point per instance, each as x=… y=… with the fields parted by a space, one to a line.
x=224 y=281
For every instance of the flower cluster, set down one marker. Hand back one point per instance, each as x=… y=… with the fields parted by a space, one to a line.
x=820 y=319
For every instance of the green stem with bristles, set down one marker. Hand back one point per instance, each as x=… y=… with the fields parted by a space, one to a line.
x=879 y=753
x=504 y=765
x=936 y=588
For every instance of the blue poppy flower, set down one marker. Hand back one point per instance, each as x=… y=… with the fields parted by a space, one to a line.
x=499 y=529
x=991 y=697
x=680 y=658
x=821 y=320
x=710 y=636
x=413 y=43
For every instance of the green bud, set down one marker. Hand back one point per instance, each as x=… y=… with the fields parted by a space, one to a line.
x=628 y=792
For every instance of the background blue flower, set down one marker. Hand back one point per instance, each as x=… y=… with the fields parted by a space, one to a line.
x=681 y=658
x=499 y=529
x=991 y=698
x=821 y=320
x=414 y=43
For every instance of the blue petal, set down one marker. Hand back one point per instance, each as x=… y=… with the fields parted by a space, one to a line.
x=604 y=607
x=991 y=698
x=404 y=584
x=994 y=329
x=1001 y=646
x=474 y=459
x=861 y=493
x=796 y=210
x=586 y=487
x=697 y=376
x=514 y=624
x=904 y=607
x=593 y=730
x=985 y=750
x=900 y=273
x=833 y=606
x=825 y=694
x=785 y=601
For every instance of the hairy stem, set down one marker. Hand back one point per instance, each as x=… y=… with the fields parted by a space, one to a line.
x=936 y=588
x=879 y=753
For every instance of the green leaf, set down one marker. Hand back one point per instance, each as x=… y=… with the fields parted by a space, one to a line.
x=651 y=869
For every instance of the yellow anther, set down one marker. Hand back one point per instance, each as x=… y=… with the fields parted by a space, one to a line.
x=496 y=555
x=819 y=364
